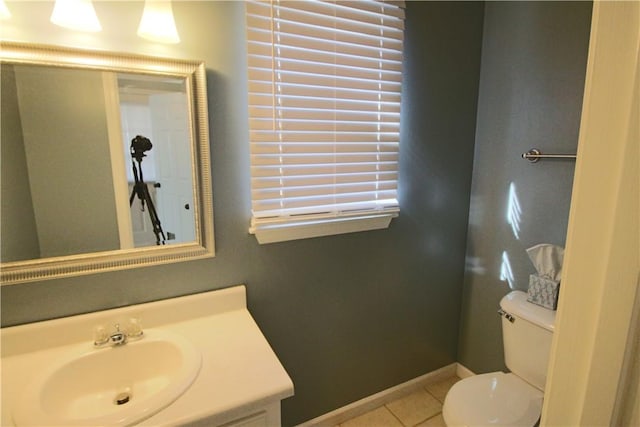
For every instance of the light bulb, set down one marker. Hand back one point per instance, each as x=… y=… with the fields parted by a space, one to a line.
x=157 y=23
x=4 y=11
x=76 y=15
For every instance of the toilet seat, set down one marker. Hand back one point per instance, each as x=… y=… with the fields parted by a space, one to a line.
x=494 y=399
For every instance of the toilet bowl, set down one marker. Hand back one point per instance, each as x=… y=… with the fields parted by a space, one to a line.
x=515 y=398
x=494 y=399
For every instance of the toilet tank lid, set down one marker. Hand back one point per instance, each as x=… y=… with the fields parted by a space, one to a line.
x=516 y=304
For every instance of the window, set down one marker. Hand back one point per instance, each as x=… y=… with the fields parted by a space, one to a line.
x=324 y=116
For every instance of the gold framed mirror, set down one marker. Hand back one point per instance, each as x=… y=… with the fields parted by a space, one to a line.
x=105 y=162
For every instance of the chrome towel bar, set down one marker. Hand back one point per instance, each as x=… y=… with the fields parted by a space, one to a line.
x=534 y=155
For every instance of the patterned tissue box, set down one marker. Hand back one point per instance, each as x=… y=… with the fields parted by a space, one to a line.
x=543 y=292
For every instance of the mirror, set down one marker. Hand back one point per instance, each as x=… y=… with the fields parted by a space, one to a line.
x=105 y=162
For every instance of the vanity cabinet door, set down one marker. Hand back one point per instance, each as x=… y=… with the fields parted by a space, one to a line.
x=257 y=420
x=269 y=416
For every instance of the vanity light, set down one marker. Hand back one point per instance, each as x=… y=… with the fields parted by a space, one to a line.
x=157 y=23
x=76 y=15
x=4 y=11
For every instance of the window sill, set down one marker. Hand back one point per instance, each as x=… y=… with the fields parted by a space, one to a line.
x=282 y=231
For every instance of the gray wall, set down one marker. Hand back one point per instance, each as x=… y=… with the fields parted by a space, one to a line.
x=533 y=66
x=347 y=315
x=18 y=223
x=64 y=124
x=54 y=203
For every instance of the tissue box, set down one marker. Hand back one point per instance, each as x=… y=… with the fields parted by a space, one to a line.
x=543 y=292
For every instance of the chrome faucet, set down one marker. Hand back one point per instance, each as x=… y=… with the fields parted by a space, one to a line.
x=117 y=337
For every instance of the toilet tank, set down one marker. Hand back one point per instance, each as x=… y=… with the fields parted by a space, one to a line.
x=527 y=330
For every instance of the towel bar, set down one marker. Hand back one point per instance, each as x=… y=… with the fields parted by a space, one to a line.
x=534 y=155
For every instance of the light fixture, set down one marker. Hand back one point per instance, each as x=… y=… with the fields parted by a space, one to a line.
x=157 y=22
x=76 y=15
x=4 y=11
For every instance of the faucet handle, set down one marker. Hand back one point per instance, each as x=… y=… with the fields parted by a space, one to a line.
x=100 y=336
x=134 y=328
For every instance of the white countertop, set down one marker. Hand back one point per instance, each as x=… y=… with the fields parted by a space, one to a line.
x=239 y=373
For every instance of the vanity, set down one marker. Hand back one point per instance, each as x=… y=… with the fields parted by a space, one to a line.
x=89 y=122
x=197 y=360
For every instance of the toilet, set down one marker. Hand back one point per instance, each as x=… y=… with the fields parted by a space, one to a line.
x=515 y=398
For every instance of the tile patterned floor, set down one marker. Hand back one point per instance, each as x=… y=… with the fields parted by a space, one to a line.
x=421 y=408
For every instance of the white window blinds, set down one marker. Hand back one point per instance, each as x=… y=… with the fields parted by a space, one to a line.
x=324 y=115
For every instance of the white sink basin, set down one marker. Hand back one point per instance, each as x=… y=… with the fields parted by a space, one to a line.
x=111 y=386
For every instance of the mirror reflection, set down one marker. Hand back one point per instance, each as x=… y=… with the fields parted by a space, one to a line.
x=93 y=161
x=105 y=162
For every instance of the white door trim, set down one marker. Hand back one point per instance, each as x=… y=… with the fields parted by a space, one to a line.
x=602 y=259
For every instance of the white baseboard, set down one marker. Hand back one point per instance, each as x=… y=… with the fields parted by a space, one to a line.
x=385 y=396
x=463 y=371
